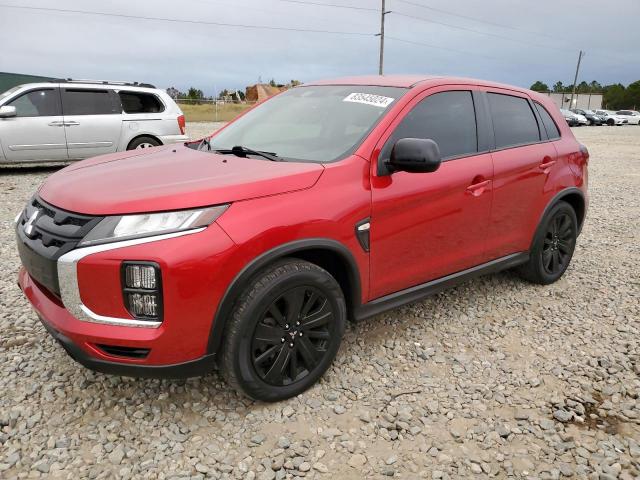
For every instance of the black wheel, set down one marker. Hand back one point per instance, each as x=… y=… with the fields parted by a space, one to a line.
x=611 y=122
x=553 y=246
x=143 y=142
x=284 y=332
x=590 y=122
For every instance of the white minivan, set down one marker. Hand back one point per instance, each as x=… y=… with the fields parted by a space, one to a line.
x=69 y=120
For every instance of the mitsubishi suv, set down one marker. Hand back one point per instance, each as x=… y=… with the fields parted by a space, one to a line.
x=70 y=120
x=250 y=249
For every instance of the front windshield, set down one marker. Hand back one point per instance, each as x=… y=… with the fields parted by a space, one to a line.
x=317 y=123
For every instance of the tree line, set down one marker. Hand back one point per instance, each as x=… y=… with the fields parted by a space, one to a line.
x=615 y=96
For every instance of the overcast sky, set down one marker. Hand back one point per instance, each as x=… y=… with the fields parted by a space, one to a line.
x=510 y=41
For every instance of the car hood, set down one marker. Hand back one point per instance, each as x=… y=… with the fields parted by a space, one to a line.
x=170 y=178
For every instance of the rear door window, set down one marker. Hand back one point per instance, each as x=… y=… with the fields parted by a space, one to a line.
x=89 y=102
x=44 y=102
x=139 y=102
x=448 y=118
x=550 y=126
x=514 y=123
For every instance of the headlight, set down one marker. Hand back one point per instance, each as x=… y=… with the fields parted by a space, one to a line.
x=126 y=227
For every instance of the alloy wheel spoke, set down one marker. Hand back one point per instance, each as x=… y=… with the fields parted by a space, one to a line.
x=320 y=317
x=310 y=356
x=268 y=334
x=564 y=246
x=276 y=372
x=263 y=357
x=294 y=299
x=277 y=315
x=547 y=257
x=293 y=364
x=309 y=303
x=556 y=262
x=318 y=334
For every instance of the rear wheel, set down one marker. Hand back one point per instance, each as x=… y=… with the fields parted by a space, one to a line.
x=611 y=122
x=284 y=332
x=143 y=142
x=553 y=246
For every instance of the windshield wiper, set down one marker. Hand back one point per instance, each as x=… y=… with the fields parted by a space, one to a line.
x=240 y=151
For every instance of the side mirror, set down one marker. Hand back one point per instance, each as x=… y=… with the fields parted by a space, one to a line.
x=415 y=155
x=7 y=111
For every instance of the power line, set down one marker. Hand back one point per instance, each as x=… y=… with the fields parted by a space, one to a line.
x=479 y=32
x=349 y=7
x=438 y=47
x=174 y=20
x=466 y=17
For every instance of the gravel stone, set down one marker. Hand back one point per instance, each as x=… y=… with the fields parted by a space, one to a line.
x=495 y=374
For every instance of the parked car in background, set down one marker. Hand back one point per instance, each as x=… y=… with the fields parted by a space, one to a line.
x=632 y=116
x=570 y=117
x=590 y=115
x=71 y=120
x=611 y=118
x=332 y=201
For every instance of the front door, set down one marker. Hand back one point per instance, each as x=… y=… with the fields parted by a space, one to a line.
x=93 y=121
x=427 y=225
x=36 y=133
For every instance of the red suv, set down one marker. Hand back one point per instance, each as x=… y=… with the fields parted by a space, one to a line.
x=250 y=249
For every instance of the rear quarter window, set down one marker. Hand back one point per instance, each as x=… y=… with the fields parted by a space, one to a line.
x=514 y=123
x=549 y=125
x=139 y=102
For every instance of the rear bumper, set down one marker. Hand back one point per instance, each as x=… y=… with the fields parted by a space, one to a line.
x=168 y=139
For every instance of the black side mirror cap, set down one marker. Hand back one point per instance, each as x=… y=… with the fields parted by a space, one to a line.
x=415 y=155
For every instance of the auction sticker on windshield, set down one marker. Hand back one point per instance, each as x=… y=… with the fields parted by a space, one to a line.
x=369 y=99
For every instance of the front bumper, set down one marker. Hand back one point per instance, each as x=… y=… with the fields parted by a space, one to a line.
x=94 y=323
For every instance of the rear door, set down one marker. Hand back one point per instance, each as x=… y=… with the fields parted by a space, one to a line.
x=92 y=119
x=36 y=133
x=428 y=225
x=523 y=161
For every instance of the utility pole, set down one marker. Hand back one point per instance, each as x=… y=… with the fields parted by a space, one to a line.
x=575 y=79
x=383 y=13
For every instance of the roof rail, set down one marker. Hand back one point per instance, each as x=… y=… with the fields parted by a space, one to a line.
x=104 y=82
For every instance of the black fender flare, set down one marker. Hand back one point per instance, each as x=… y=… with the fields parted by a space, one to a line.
x=556 y=198
x=239 y=283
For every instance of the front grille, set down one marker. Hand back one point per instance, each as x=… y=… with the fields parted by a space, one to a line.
x=46 y=237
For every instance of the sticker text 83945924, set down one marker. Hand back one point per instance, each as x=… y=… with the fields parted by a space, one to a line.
x=369 y=99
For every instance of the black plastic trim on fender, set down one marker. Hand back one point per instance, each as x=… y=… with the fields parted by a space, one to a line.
x=556 y=198
x=193 y=368
x=242 y=279
x=419 y=292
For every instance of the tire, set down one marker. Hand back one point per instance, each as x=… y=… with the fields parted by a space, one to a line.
x=553 y=246
x=284 y=331
x=143 y=142
x=590 y=123
x=611 y=122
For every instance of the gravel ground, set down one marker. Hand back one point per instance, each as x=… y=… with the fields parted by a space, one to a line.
x=495 y=378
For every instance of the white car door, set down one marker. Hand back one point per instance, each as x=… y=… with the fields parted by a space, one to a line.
x=92 y=119
x=36 y=132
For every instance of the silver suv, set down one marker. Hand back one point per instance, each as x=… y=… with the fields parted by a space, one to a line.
x=74 y=119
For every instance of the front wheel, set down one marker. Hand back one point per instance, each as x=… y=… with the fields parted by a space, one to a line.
x=553 y=246
x=284 y=332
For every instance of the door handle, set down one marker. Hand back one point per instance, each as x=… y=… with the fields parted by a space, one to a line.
x=477 y=189
x=58 y=123
x=546 y=165
x=71 y=124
